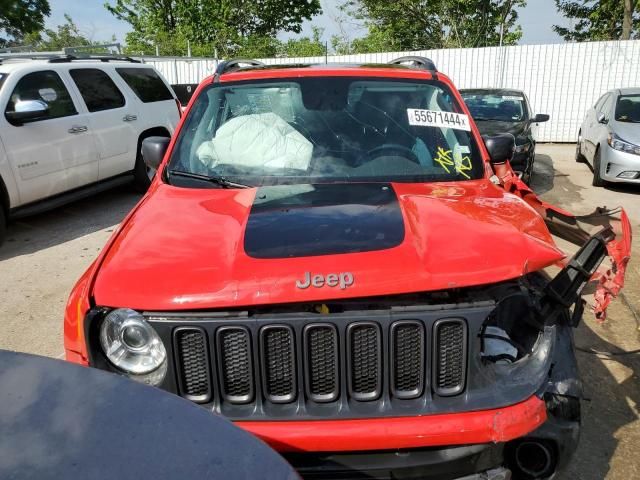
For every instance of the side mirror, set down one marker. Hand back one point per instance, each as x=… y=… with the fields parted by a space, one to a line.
x=541 y=118
x=500 y=147
x=153 y=150
x=25 y=111
x=602 y=118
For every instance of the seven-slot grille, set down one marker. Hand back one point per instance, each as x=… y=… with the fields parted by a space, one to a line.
x=321 y=362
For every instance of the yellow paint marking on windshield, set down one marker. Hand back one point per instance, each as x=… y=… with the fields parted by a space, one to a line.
x=460 y=165
x=443 y=158
x=463 y=166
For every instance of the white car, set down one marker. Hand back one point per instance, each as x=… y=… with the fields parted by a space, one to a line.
x=71 y=127
x=609 y=137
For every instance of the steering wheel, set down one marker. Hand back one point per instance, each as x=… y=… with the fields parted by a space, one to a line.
x=394 y=149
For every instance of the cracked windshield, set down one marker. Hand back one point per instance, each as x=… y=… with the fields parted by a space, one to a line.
x=330 y=129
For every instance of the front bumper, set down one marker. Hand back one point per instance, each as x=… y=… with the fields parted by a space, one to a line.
x=614 y=162
x=479 y=461
x=471 y=462
x=484 y=426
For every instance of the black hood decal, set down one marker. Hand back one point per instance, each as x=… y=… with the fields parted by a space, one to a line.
x=308 y=220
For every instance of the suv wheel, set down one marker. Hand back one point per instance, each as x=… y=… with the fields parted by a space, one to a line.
x=579 y=156
x=3 y=224
x=527 y=176
x=597 y=178
x=142 y=175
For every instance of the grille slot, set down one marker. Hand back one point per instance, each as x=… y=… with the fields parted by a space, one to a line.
x=450 y=356
x=193 y=364
x=234 y=358
x=364 y=344
x=322 y=357
x=407 y=359
x=278 y=363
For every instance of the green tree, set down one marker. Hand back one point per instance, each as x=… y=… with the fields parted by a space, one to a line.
x=66 y=35
x=306 y=46
x=599 y=19
x=226 y=26
x=378 y=39
x=419 y=24
x=21 y=17
x=258 y=46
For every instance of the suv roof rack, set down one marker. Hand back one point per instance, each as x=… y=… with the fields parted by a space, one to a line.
x=422 y=63
x=63 y=58
x=236 y=64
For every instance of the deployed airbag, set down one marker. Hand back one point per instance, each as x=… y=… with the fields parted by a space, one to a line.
x=257 y=140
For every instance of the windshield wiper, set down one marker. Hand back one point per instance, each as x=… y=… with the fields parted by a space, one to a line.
x=217 y=179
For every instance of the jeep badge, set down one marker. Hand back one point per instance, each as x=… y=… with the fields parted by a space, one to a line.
x=342 y=280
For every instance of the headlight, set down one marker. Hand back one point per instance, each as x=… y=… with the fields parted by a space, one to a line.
x=133 y=346
x=525 y=147
x=617 y=143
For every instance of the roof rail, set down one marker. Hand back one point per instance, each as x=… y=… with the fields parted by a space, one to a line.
x=96 y=58
x=423 y=63
x=236 y=64
x=80 y=49
x=63 y=58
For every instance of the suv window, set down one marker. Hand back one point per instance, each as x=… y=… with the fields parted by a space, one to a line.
x=146 y=84
x=97 y=89
x=46 y=86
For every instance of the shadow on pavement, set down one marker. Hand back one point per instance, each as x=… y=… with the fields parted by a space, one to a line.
x=607 y=408
x=624 y=188
x=77 y=219
x=543 y=174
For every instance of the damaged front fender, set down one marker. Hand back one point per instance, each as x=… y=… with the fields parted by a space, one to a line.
x=578 y=230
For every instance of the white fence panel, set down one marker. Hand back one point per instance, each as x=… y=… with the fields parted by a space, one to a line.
x=563 y=80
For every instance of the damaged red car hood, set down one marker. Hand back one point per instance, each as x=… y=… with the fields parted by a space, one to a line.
x=186 y=249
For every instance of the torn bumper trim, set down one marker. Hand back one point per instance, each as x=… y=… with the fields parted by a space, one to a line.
x=611 y=281
x=486 y=426
x=578 y=230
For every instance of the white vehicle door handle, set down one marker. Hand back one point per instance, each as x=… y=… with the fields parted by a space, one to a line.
x=130 y=118
x=78 y=129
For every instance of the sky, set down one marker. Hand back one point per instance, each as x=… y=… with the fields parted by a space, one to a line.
x=98 y=24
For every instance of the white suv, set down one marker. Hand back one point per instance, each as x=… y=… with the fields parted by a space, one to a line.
x=70 y=127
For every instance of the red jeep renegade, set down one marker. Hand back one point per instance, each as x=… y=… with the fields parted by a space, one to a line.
x=335 y=259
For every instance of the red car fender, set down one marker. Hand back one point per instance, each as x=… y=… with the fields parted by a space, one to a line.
x=76 y=309
x=81 y=298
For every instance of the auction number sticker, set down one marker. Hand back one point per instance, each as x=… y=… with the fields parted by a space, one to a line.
x=435 y=118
